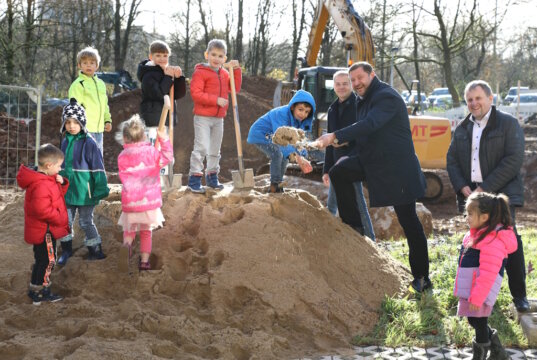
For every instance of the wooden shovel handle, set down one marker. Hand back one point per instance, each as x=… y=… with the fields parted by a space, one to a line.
x=163 y=115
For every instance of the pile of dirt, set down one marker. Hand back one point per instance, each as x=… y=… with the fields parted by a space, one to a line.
x=236 y=275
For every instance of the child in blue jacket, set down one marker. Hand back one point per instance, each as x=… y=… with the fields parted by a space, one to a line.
x=299 y=114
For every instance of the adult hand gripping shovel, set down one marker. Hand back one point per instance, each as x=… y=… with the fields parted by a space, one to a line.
x=243 y=178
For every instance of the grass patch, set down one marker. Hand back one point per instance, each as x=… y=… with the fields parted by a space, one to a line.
x=431 y=319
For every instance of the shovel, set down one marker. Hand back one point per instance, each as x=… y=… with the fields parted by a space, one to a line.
x=243 y=178
x=171 y=119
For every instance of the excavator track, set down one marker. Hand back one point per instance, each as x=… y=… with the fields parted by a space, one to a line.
x=439 y=189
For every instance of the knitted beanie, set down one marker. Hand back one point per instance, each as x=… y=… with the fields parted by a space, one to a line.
x=74 y=111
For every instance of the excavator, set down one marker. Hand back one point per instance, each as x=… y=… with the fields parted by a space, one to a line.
x=431 y=135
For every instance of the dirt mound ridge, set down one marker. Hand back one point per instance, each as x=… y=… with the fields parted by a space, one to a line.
x=236 y=275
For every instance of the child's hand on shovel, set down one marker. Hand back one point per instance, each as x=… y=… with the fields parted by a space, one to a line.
x=304 y=164
x=162 y=134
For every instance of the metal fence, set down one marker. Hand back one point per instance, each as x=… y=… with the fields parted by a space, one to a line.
x=20 y=130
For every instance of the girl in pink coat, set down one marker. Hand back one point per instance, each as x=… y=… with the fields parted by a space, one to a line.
x=481 y=266
x=139 y=171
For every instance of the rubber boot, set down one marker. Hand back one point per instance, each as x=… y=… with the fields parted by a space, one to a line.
x=275 y=188
x=497 y=351
x=95 y=252
x=212 y=181
x=194 y=184
x=67 y=252
x=480 y=350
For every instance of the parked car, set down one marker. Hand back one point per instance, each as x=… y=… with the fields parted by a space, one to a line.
x=528 y=99
x=437 y=92
x=412 y=100
x=51 y=103
x=511 y=94
x=443 y=101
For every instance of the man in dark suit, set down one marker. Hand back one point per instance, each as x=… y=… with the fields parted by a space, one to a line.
x=386 y=160
x=486 y=154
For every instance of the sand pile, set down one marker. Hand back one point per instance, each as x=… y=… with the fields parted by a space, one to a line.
x=236 y=276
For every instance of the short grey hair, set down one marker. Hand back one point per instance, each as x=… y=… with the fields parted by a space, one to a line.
x=340 y=73
x=217 y=44
x=478 y=83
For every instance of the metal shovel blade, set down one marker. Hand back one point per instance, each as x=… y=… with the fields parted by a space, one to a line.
x=243 y=179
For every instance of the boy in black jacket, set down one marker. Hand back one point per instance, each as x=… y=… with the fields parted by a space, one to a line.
x=157 y=77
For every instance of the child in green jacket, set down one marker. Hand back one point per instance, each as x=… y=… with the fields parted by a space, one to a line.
x=90 y=92
x=83 y=167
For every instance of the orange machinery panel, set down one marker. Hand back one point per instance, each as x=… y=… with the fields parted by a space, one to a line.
x=431 y=136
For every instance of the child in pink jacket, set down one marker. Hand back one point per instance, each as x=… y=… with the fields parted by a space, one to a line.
x=481 y=267
x=139 y=171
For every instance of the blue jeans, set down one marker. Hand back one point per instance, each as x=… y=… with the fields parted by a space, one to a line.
x=331 y=204
x=98 y=137
x=278 y=163
x=85 y=219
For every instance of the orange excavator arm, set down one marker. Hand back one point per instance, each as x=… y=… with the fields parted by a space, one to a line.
x=355 y=33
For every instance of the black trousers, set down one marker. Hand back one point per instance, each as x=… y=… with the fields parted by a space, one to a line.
x=482 y=329
x=43 y=253
x=516 y=265
x=348 y=171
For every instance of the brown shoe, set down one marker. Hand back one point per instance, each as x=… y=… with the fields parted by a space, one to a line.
x=275 y=188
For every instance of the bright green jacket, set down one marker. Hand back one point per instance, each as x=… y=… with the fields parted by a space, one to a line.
x=90 y=92
x=84 y=168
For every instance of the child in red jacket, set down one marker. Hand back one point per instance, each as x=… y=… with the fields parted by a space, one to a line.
x=209 y=89
x=481 y=266
x=45 y=217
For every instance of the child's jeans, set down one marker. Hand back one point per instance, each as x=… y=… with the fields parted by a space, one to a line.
x=43 y=254
x=331 y=204
x=208 y=132
x=85 y=219
x=98 y=137
x=278 y=163
x=145 y=239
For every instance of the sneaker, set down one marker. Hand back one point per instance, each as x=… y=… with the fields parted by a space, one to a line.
x=194 y=184
x=212 y=181
x=96 y=252
x=43 y=295
x=144 y=265
x=521 y=304
x=421 y=284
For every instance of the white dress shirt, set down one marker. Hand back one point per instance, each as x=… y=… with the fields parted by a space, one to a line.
x=479 y=126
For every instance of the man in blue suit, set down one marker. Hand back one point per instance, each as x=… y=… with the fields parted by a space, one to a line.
x=386 y=160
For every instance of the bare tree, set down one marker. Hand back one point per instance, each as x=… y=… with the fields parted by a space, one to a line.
x=121 y=43
x=451 y=41
x=204 y=23
x=297 y=33
x=238 y=38
x=6 y=41
x=329 y=38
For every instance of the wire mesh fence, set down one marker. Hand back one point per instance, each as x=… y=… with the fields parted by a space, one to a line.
x=20 y=130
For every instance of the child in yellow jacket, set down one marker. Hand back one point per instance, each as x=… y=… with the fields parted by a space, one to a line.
x=90 y=92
